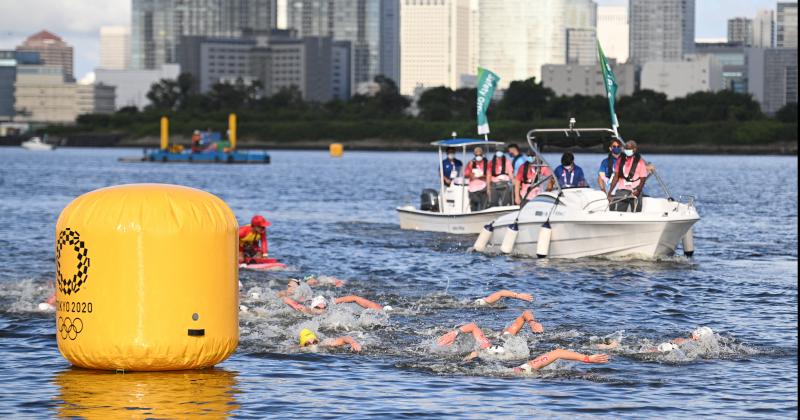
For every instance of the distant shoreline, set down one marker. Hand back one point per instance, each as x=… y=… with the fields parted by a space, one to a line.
x=779 y=148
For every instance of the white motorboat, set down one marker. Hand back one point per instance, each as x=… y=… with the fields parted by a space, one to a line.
x=36 y=144
x=579 y=222
x=448 y=210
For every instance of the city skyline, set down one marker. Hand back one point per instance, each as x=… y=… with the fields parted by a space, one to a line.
x=79 y=22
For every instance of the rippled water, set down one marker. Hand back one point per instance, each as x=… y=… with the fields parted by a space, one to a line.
x=336 y=217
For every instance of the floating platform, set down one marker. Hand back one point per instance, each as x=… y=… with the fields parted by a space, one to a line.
x=201 y=157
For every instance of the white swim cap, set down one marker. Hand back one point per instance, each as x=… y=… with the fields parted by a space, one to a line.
x=255 y=295
x=481 y=302
x=702 y=332
x=666 y=347
x=387 y=308
x=319 y=301
x=46 y=307
x=243 y=308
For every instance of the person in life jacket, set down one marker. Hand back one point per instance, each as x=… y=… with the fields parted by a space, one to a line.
x=568 y=174
x=196 y=141
x=476 y=172
x=451 y=167
x=629 y=178
x=609 y=165
x=253 y=239
x=531 y=173
x=498 y=180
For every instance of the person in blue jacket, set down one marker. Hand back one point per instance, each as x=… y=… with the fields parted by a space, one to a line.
x=568 y=174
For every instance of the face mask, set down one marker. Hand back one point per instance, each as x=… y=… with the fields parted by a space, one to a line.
x=616 y=150
x=451 y=156
x=479 y=158
x=529 y=159
x=628 y=152
x=498 y=153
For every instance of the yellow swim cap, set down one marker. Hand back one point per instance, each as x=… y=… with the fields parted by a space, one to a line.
x=307 y=336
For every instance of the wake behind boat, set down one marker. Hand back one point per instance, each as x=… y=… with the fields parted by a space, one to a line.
x=448 y=210
x=579 y=222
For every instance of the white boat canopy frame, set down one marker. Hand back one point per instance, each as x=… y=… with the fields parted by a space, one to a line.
x=463 y=143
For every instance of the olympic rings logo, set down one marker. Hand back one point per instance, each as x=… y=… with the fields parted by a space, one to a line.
x=69 y=328
x=72 y=285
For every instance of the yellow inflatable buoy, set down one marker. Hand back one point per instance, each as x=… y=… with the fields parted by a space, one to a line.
x=147 y=279
x=336 y=149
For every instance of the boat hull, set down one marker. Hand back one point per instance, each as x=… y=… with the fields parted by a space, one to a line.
x=459 y=224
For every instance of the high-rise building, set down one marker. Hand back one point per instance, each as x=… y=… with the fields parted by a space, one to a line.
x=434 y=35
x=581 y=46
x=772 y=77
x=764 y=29
x=587 y=79
x=787 y=25
x=371 y=26
x=211 y=60
x=115 y=47
x=661 y=30
x=157 y=25
x=733 y=59
x=517 y=37
x=52 y=50
x=676 y=79
x=612 y=31
x=43 y=95
x=740 y=31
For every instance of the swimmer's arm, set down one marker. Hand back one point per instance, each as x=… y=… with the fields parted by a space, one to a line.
x=494 y=297
x=358 y=300
x=557 y=354
x=525 y=317
x=312 y=281
x=296 y=306
x=679 y=340
x=342 y=341
x=476 y=332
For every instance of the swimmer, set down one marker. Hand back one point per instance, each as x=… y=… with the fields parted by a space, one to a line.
x=496 y=296
x=697 y=334
x=310 y=342
x=323 y=281
x=480 y=338
x=319 y=304
x=49 y=305
x=552 y=356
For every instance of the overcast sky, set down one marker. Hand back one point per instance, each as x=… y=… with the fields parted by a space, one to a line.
x=78 y=22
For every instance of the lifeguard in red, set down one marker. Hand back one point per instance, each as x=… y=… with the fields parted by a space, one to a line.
x=253 y=239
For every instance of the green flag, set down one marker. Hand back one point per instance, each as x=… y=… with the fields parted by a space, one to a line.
x=487 y=82
x=610 y=84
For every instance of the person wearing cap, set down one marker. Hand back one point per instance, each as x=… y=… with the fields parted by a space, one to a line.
x=609 y=165
x=500 y=294
x=568 y=174
x=530 y=178
x=319 y=304
x=698 y=334
x=628 y=180
x=498 y=180
x=476 y=171
x=486 y=347
x=309 y=341
x=253 y=239
x=451 y=167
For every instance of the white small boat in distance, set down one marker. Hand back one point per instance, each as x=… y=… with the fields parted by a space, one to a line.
x=448 y=209
x=36 y=144
x=579 y=222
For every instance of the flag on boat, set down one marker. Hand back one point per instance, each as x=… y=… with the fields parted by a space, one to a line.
x=610 y=84
x=487 y=82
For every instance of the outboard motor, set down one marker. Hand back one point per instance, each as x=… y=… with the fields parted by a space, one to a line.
x=429 y=200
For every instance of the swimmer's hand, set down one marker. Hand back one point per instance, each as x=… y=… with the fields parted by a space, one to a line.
x=536 y=327
x=447 y=339
x=355 y=347
x=596 y=358
x=613 y=344
x=527 y=297
x=471 y=356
